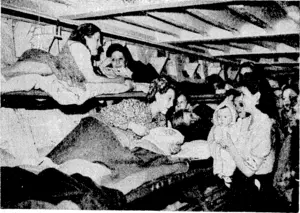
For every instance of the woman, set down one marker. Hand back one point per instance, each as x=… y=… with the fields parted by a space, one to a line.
x=94 y=140
x=82 y=44
x=254 y=155
x=119 y=62
x=137 y=117
x=73 y=63
x=286 y=180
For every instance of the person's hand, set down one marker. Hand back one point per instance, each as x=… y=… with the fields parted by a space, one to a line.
x=174 y=148
x=138 y=129
x=129 y=83
x=119 y=80
x=104 y=63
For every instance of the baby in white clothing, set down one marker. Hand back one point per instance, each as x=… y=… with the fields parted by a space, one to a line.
x=224 y=123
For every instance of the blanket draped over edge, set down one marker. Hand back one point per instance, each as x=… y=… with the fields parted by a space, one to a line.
x=92 y=140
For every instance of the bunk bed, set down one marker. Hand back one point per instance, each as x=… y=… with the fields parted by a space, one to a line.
x=189 y=33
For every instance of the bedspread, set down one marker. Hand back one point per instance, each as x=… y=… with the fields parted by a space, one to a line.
x=93 y=141
x=60 y=90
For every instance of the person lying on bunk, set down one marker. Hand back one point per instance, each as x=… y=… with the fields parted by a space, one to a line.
x=120 y=63
x=193 y=121
x=73 y=63
x=72 y=66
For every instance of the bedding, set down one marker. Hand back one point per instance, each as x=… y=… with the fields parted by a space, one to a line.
x=60 y=90
x=122 y=172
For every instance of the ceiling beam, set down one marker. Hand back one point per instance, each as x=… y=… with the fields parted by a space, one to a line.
x=238 y=46
x=44 y=19
x=293 y=54
x=133 y=10
x=242 y=13
x=197 y=48
x=170 y=21
x=264 y=44
x=242 y=39
x=201 y=17
x=145 y=26
x=34 y=16
x=279 y=64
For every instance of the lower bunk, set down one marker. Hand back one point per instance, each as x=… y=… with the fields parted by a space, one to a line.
x=193 y=190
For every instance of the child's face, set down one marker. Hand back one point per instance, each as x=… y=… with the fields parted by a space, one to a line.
x=224 y=116
x=181 y=103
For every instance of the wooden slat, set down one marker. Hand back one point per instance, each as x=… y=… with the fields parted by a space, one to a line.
x=238 y=46
x=167 y=20
x=279 y=64
x=35 y=16
x=243 y=39
x=148 y=8
x=209 y=20
x=247 y=16
x=30 y=15
x=293 y=54
x=145 y=26
x=197 y=48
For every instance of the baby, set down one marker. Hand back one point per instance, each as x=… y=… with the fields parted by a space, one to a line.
x=224 y=119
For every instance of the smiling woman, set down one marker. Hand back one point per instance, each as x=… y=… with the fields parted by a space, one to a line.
x=119 y=62
x=135 y=118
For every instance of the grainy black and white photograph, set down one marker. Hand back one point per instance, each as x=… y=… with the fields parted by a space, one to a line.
x=150 y=105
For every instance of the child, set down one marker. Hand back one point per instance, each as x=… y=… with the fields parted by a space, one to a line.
x=224 y=119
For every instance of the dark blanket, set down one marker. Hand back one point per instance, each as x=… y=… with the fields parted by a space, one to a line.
x=92 y=140
x=19 y=186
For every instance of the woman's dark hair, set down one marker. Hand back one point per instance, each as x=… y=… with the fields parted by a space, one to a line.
x=178 y=123
x=161 y=85
x=256 y=83
x=123 y=49
x=87 y=29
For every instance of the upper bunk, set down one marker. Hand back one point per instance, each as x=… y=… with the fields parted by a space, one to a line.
x=200 y=37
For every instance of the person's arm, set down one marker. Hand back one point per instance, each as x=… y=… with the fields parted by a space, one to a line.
x=260 y=149
x=238 y=159
x=82 y=57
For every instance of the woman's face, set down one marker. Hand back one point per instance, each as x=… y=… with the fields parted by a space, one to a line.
x=239 y=106
x=189 y=117
x=278 y=95
x=181 y=103
x=287 y=95
x=93 y=43
x=165 y=101
x=249 y=100
x=118 y=60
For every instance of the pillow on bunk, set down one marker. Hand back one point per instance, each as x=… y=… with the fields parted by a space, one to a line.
x=196 y=150
x=164 y=139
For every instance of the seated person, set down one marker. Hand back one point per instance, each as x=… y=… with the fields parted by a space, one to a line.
x=224 y=120
x=119 y=62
